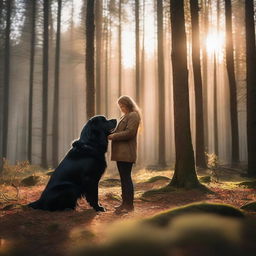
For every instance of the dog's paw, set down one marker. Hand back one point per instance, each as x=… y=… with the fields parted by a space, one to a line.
x=99 y=209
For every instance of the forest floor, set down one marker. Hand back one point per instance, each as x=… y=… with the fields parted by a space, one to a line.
x=54 y=233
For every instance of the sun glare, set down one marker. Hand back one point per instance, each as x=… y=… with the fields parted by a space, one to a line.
x=128 y=37
x=128 y=44
x=215 y=42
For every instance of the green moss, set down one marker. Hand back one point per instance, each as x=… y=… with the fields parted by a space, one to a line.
x=248 y=184
x=166 y=189
x=30 y=181
x=110 y=182
x=249 y=207
x=157 y=178
x=205 y=179
x=162 y=219
x=112 y=196
x=213 y=235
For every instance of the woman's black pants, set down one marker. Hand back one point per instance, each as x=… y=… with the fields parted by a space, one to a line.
x=125 y=169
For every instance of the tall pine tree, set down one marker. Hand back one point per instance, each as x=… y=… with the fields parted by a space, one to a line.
x=184 y=173
x=89 y=61
x=251 y=86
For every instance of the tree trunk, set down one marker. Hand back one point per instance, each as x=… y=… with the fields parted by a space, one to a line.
x=55 y=122
x=107 y=32
x=1 y=83
x=137 y=50
x=1 y=9
x=120 y=49
x=98 y=23
x=205 y=58
x=215 y=89
x=73 y=95
x=31 y=77
x=141 y=145
x=200 y=148
x=142 y=68
x=45 y=83
x=215 y=111
x=161 y=86
x=251 y=86
x=184 y=174
x=6 y=79
x=90 y=79
x=232 y=83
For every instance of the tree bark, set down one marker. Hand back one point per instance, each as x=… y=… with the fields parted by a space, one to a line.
x=251 y=86
x=161 y=86
x=107 y=35
x=184 y=173
x=6 y=79
x=1 y=9
x=45 y=83
x=98 y=23
x=31 y=77
x=200 y=148
x=205 y=58
x=1 y=83
x=232 y=83
x=90 y=79
x=215 y=111
x=137 y=51
x=55 y=122
x=120 y=49
x=142 y=68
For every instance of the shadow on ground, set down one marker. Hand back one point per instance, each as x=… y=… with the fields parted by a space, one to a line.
x=42 y=233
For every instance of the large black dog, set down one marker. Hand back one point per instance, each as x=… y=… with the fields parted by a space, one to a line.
x=79 y=172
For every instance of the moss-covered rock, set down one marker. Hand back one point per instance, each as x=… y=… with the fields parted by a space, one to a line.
x=112 y=196
x=205 y=179
x=190 y=234
x=162 y=190
x=110 y=182
x=30 y=181
x=248 y=184
x=157 y=178
x=249 y=207
x=163 y=218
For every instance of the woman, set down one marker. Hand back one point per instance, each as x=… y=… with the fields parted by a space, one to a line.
x=124 y=148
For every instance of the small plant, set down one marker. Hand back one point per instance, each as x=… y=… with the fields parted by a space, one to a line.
x=212 y=160
x=8 y=177
x=10 y=172
x=212 y=163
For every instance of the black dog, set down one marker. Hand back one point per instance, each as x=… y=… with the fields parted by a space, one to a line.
x=79 y=172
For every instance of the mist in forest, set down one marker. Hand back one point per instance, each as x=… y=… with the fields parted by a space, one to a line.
x=115 y=74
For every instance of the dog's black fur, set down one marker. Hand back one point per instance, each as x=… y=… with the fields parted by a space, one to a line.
x=79 y=172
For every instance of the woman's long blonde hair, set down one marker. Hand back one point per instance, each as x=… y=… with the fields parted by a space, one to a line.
x=130 y=104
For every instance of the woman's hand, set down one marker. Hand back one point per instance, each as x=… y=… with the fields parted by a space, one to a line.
x=110 y=137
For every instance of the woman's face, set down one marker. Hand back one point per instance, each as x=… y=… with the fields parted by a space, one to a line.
x=123 y=108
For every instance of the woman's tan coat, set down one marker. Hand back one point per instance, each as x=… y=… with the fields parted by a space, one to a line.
x=124 y=140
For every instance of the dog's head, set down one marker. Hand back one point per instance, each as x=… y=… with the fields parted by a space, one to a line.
x=100 y=123
x=96 y=131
